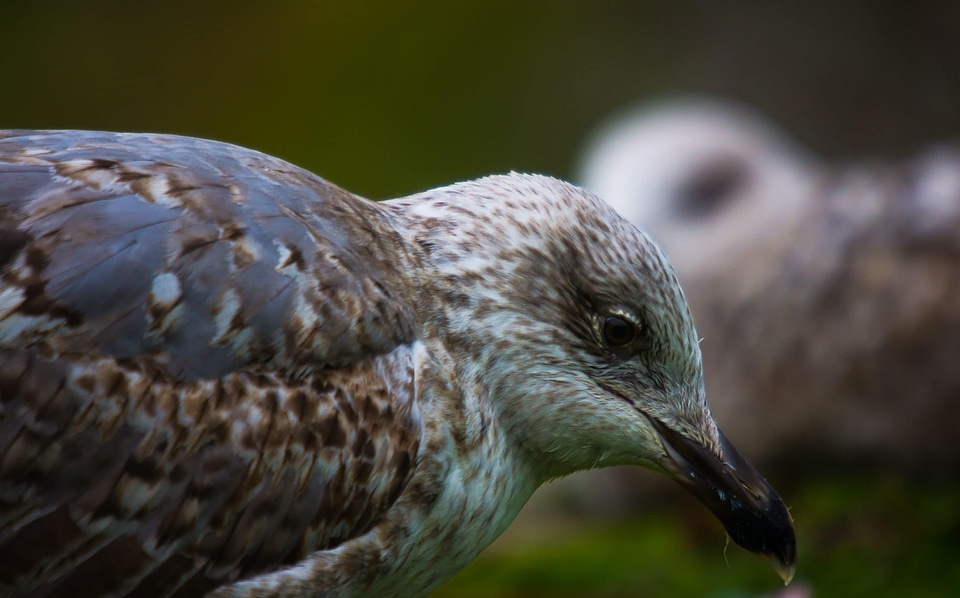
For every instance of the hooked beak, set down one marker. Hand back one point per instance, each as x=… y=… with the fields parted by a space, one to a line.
x=749 y=508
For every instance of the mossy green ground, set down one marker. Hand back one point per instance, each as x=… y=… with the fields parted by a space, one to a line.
x=858 y=535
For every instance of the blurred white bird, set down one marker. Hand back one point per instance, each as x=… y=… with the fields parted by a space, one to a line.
x=828 y=297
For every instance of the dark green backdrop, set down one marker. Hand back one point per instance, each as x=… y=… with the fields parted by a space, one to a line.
x=388 y=97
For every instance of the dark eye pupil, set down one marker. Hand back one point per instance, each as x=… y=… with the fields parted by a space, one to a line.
x=617 y=331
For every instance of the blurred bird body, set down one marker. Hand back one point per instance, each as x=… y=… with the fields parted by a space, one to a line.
x=219 y=372
x=828 y=298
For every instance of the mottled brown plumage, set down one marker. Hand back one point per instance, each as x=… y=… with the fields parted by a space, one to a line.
x=168 y=333
x=220 y=372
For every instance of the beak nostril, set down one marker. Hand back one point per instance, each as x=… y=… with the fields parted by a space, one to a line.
x=756 y=494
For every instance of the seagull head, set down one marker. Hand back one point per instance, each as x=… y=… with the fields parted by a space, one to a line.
x=571 y=323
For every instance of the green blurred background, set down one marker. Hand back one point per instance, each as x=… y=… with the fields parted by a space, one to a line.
x=386 y=98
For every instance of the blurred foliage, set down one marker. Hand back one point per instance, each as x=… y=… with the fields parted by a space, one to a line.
x=383 y=98
x=859 y=535
x=388 y=97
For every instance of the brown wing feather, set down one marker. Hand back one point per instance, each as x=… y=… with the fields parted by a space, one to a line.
x=226 y=256
x=150 y=445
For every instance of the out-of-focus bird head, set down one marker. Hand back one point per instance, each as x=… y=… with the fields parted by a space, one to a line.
x=705 y=177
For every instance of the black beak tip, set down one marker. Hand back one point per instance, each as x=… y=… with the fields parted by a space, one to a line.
x=767 y=531
x=748 y=507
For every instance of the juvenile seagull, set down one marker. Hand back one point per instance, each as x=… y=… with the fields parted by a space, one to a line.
x=222 y=373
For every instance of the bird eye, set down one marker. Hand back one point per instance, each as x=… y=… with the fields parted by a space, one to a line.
x=617 y=331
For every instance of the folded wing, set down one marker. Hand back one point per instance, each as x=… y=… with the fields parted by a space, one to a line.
x=204 y=364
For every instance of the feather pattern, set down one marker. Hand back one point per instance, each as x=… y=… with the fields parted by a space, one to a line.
x=227 y=256
x=221 y=374
x=192 y=387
